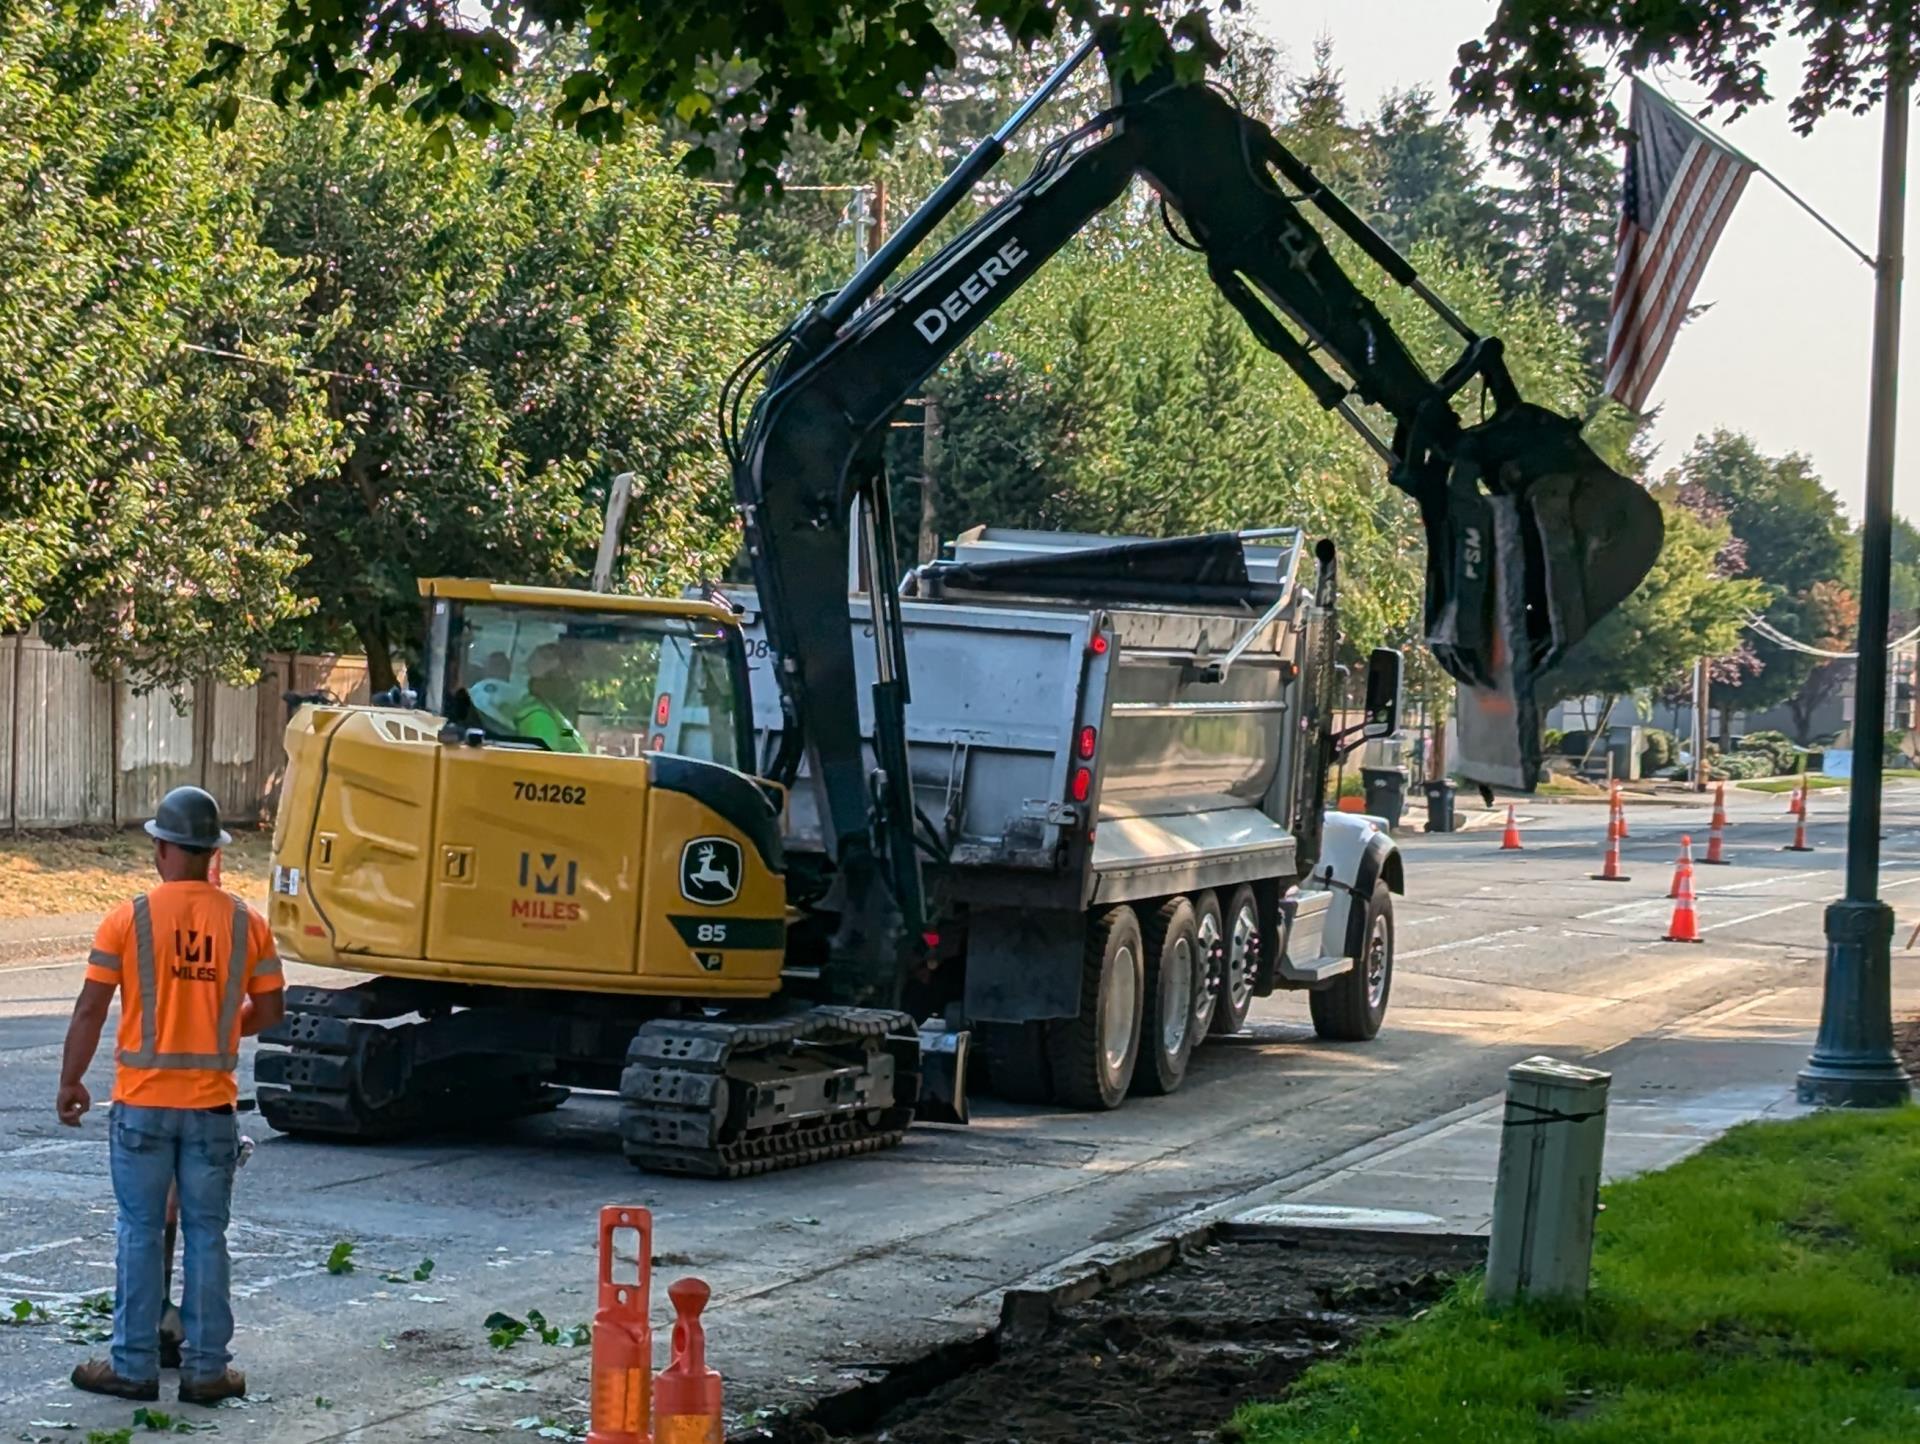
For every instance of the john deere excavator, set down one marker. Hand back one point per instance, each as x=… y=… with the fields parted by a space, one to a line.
x=561 y=863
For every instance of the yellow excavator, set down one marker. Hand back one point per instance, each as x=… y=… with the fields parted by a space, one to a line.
x=551 y=860
x=560 y=863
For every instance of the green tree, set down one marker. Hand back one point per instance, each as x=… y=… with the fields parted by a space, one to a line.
x=1683 y=610
x=1828 y=617
x=506 y=327
x=1425 y=181
x=1533 y=67
x=749 y=76
x=742 y=78
x=151 y=397
x=1315 y=124
x=1556 y=222
x=1792 y=536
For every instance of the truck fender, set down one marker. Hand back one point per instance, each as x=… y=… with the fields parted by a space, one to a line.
x=1360 y=852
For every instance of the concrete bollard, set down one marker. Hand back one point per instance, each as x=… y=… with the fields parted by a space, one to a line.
x=1547 y=1191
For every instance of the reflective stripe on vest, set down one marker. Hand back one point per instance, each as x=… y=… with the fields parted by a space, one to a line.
x=149 y=1054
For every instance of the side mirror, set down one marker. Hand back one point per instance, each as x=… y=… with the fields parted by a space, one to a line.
x=1383 y=694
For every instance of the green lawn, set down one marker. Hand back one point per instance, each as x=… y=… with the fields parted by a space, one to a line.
x=1766 y=1291
x=1819 y=783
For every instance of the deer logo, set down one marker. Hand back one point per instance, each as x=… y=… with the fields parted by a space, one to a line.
x=710 y=871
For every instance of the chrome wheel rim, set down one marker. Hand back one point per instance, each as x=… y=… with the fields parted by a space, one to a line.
x=1210 y=950
x=1123 y=1002
x=1379 y=953
x=1176 y=996
x=1246 y=928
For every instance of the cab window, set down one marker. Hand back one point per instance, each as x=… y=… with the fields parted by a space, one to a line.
x=612 y=683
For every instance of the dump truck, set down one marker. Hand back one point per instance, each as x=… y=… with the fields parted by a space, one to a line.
x=1120 y=749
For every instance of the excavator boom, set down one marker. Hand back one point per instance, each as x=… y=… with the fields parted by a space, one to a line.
x=1531 y=537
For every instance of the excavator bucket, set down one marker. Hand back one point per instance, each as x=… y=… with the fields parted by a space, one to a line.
x=1537 y=539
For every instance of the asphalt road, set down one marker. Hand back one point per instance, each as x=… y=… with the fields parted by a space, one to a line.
x=820 y=1274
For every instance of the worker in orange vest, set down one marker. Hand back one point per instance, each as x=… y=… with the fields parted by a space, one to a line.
x=196 y=971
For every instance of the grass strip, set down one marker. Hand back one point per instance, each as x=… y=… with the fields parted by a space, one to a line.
x=1764 y=1291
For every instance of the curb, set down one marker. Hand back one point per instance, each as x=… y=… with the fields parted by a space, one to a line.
x=40 y=949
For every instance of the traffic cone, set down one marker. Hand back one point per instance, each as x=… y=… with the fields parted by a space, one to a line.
x=1799 y=843
x=1683 y=869
x=686 y=1394
x=1510 y=840
x=1716 y=838
x=1685 y=926
x=622 y=1387
x=1620 y=809
x=1610 y=869
x=1796 y=799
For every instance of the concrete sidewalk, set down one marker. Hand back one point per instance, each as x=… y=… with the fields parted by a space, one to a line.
x=1673 y=1092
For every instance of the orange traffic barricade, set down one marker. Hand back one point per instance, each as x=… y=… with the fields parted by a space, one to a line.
x=686 y=1394
x=621 y=1393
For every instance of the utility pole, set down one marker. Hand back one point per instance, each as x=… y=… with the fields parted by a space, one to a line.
x=1701 y=679
x=619 y=498
x=929 y=544
x=1853 y=1063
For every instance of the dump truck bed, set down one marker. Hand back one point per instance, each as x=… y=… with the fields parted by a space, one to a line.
x=1094 y=746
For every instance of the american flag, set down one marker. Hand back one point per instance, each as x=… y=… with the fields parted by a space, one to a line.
x=1681 y=185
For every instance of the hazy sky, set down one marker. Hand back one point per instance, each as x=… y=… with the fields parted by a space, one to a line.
x=1783 y=352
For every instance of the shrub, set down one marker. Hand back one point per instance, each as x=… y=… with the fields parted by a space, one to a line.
x=1658 y=751
x=1574 y=743
x=1550 y=740
x=1742 y=766
x=1775 y=747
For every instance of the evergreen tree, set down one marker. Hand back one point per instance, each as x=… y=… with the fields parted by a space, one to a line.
x=1425 y=181
x=1315 y=125
x=1558 y=220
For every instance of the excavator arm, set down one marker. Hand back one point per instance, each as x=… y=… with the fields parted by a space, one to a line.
x=1531 y=537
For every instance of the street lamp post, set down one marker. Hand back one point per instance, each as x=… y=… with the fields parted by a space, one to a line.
x=1853 y=1063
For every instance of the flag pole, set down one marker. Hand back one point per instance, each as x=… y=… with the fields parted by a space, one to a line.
x=1853 y=1063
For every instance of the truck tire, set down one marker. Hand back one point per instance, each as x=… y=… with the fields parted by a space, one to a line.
x=1350 y=1010
x=1016 y=1055
x=1240 y=932
x=1093 y=1053
x=1175 y=971
x=1213 y=951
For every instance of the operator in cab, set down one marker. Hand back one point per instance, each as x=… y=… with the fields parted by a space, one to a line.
x=535 y=709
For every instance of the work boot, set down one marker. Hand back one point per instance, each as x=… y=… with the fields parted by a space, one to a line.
x=96 y=1376
x=230 y=1385
x=173 y=1334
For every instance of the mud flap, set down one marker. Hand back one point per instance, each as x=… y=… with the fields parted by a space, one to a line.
x=943 y=1074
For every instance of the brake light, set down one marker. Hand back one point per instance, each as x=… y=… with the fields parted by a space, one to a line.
x=662 y=709
x=1098 y=646
x=1082 y=783
x=1089 y=739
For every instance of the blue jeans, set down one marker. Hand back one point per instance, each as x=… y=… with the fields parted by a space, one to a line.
x=151 y=1147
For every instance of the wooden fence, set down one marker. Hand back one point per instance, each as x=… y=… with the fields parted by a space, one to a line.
x=78 y=750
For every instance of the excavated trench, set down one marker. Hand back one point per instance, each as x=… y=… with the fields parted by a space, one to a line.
x=1235 y=1316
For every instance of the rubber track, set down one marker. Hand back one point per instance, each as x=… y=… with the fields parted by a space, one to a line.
x=308 y=1078
x=675 y=1095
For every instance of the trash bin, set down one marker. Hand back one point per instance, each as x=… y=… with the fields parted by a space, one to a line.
x=1440 y=806
x=1386 y=793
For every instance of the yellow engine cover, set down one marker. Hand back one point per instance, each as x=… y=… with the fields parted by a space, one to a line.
x=397 y=853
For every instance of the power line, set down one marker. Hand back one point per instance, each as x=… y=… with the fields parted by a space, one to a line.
x=1761 y=627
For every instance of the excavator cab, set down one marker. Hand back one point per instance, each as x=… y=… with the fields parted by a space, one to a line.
x=528 y=668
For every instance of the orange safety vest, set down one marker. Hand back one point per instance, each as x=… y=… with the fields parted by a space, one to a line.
x=184 y=957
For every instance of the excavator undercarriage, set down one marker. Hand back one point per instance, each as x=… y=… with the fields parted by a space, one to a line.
x=717 y=1097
